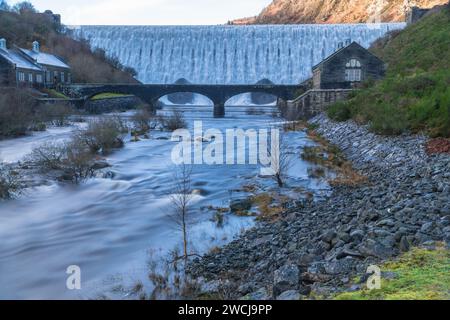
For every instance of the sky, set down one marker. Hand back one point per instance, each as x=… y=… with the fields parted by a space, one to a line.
x=150 y=12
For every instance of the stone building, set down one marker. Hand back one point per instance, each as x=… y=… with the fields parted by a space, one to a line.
x=18 y=70
x=347 y=68
x=22 y=67
x=55 y=69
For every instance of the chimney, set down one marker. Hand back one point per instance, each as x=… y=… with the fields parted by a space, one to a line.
x=348 y=42
x=3 y=44
x=340 y=45
x=36 y=46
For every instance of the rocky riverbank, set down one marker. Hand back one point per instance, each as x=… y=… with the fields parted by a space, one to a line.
x=318 y=248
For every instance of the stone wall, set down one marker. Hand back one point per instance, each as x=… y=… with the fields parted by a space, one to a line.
x=314 y=102
x=112 y=104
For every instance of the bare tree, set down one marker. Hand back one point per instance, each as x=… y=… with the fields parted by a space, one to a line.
x=280 y=157
x=181 y=199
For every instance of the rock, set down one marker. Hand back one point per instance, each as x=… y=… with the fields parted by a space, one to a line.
x=376 y=250
x=308 y=277
x=306 y=259
x=100 y=165
x=286 y=278
x=211 y=286
x=290 y=295
x=427 y=227
x=261 y=295
x=357 y=235
x=404 y=245
x=328 y=236
x=349 y=253
x=241 y=205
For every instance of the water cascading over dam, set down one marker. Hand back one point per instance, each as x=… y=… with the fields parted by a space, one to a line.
x=283 y=54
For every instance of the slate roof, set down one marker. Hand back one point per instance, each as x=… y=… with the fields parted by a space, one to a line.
x=45 y=58
x=21 y=62
x=354 y=43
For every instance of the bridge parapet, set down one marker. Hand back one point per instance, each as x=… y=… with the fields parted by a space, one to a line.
x=219 y=94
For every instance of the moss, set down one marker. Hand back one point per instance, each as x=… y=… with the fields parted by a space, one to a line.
x=56 y=94
x=422 y=275
x=109 y=96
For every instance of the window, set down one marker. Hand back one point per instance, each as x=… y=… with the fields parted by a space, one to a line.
x=49 y=76
x=62 y=77
x=30 y=77
x=69 y=78
x=39 y=78
x=353 y=71
x=21 y=76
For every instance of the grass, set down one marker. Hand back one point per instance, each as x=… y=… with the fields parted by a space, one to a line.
x=330 y=156
x=56 y=94
x=415 y=95
x=422 y=275
x=108 y=95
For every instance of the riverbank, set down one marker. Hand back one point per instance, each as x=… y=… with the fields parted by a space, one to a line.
x=318 y=248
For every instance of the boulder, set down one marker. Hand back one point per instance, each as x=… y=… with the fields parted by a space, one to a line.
x=290 y=295
x=286 y=278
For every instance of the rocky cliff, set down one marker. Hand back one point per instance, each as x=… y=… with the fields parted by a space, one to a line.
x=336 y=11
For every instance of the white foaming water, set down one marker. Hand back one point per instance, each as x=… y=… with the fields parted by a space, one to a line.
x=227 y=54
x=107 y=225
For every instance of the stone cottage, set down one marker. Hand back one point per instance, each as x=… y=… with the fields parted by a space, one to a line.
x=22 y=67
x=18 y=70
x=55 y=69
x=347 y=68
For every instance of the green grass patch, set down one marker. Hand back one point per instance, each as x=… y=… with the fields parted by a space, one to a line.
x=415 y=95
x=422 y=275
x=109 y=96
x=56 y=94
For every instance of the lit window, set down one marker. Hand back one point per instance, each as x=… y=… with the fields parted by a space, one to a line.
x=39 y=78
x=353 y=71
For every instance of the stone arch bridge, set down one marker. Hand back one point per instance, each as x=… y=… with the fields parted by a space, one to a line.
x=219 y=94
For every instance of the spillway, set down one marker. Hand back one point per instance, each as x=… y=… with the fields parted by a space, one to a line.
x=284 y=54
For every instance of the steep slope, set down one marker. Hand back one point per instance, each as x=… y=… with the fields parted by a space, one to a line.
x=415 y=95
x=335 y=11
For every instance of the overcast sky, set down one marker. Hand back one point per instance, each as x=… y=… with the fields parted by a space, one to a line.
x=150 y=12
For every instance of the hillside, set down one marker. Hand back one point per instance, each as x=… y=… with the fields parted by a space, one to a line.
x=415 y=95
x=24 y=27
x=333 y=11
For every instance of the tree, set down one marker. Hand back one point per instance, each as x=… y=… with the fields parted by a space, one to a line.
x=280 y=157
x=24 y=7
x=181 y=199
x=4 y=6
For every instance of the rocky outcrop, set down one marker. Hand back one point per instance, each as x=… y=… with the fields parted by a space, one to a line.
x=340 y=11
x=320 y=246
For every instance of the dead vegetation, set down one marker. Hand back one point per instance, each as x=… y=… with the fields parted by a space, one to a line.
x=329 y=156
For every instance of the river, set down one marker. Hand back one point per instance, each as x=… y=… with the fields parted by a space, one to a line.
x=111 y=226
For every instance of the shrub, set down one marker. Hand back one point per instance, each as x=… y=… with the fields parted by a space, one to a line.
x=9 y=182
x=73 y=158
x=103 y=134
x=340 y=111
x=143 y=120
x=174 y=121
x=56 y=113
x=16 y=113
x=48 y=156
